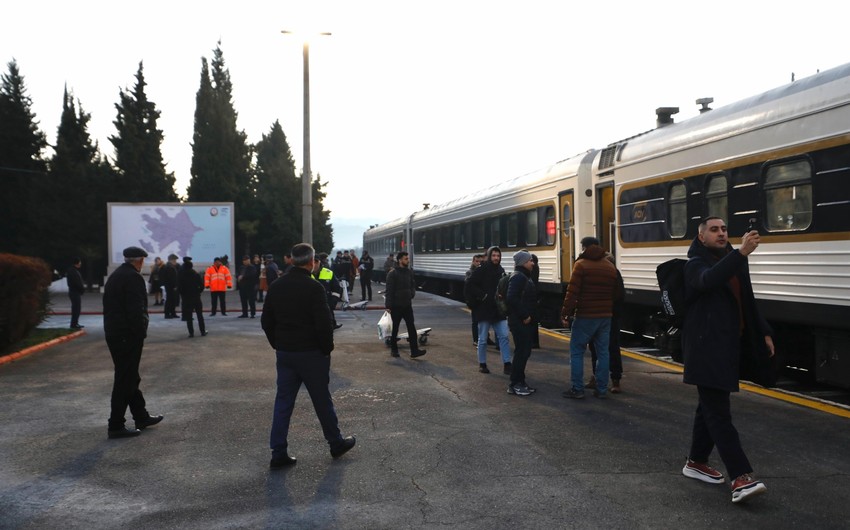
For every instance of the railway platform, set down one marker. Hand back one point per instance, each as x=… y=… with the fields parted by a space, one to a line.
x=438 y=443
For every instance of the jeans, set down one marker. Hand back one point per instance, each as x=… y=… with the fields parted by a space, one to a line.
x=615 y=359
x=500 y=329
x=523 y=339
x=313 y=369
x=584 y=331
x=713 y=427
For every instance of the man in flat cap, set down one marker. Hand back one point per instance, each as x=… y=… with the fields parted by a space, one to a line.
x=125 y=324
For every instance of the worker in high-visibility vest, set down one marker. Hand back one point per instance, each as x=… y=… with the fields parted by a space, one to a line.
x=326 y=277
x=217 y=279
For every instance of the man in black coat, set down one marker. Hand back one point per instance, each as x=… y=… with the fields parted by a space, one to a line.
x=367 y=265
x=401 y=288
x=75 y=292
x=125 y=324
x=168 y=276
x=482 y=286
x=298 y=325
x=722 y=323
x=190 y=284
x=522 y=319
x=248 y=280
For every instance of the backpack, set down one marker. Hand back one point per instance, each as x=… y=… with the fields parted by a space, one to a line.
x=502 y=295
x=671 y=282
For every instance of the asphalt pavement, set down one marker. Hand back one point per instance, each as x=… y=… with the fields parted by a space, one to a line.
x=439 y=445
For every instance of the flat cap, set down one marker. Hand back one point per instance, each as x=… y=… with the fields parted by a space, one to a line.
x=268 y=256
x=187 y=259
x=135 y=252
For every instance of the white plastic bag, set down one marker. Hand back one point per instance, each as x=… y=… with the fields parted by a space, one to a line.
x=385 y=326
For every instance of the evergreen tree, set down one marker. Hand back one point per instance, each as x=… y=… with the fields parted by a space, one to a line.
x=21 y=163
x=138 y=156
x=221 y=156
x=278 y=194
x=323 y=232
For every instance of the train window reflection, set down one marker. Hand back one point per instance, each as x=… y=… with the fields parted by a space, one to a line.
x=478 y=234
x=531 y=234
x=716 y=197
x=550 y=225
x=495 y=232
x=467 y=235
x=788 y=196
x=512 y=230
x=677 y=213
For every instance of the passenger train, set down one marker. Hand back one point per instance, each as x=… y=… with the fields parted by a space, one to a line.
x=779 y=161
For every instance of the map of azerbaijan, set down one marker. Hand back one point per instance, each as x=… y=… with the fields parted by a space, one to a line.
x=165 y=230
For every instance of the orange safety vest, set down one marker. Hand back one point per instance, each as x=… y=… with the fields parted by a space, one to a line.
x=218 y=279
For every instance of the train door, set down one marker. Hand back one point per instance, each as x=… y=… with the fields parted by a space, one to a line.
x=565 y=204
x=606 y=225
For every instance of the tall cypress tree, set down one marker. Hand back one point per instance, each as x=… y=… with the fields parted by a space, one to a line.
x=21 y=163
x=278 y=193
x=323 y=232
x=138 y=155
x=221 y=156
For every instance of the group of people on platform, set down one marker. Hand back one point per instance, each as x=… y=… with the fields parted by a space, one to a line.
x=722 y=324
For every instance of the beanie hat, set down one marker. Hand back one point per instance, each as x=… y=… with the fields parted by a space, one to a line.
x=521 y=258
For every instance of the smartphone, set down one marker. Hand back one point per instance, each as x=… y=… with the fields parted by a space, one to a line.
x=752 y=224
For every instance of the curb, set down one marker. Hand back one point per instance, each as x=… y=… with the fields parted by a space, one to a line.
x=38 y=347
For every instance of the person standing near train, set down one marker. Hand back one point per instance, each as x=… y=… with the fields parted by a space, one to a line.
x=722 y=323
x=482 y=293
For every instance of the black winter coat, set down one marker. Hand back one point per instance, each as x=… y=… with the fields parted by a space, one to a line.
x=522 y=298
x=401 y=288
x=190 y=283
x=75 y=280
x=482 y=292
x=125 y=304
x=296 y=317
x=712 y=341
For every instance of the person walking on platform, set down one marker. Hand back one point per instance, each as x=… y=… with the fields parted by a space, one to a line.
x=76 y=289
x=125 y=324
x=247 y=281
x=615 y=359
x=722 y=327
x=389 y=263
x=589 y=300
x=482 y=292
x=401 y=288
x=522 y=319
x=169 y=280
x=297 y=323
x=217 y=279
x=367 y=264
x=191 y=285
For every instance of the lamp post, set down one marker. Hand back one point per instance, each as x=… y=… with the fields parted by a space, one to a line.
x=307 y=175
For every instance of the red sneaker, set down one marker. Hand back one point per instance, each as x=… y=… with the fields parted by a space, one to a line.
x=745 y=487
x=703 y=472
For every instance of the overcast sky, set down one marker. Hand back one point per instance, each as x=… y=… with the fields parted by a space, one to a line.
x=418 y=101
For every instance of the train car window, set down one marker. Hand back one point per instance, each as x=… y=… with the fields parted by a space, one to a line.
x=477 y=234
x=550 y=225
x=716 y=197
x=458 y=242
x=677 y=210
x=532 y=235
x=788 y=196
x=467 y=236
x=511 y=231
x=447 y=238
x=495 y=232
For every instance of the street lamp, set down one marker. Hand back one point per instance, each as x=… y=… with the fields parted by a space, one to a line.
x=307 y=176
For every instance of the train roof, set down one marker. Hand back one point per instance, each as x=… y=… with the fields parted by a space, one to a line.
x=808 y=95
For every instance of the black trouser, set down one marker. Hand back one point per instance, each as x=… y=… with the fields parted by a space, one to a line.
x=170 y=301
x=126 y=356
x=406 y=313
x=197 y=307
x=216 y=296
x=248 y=297
x=365 y=285
x=713 y=427
x=523 y=336
x=614 y=358
x=76 y=307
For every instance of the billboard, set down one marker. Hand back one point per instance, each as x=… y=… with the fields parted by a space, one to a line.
x=202 y=230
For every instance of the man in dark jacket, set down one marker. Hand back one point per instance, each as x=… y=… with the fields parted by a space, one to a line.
x=401 y=288
x=125 y=324
x=367 y=264
x=522 y=308
x=722 y=323
x=190 y=284
x=481 y=289
x=589 y=300
x=298 y=325
x=168 y=275
x=248 y=280
x=75 y=292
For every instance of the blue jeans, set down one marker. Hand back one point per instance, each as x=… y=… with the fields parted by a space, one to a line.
x=584 y=331
x=500 y=328
x=313 y=369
